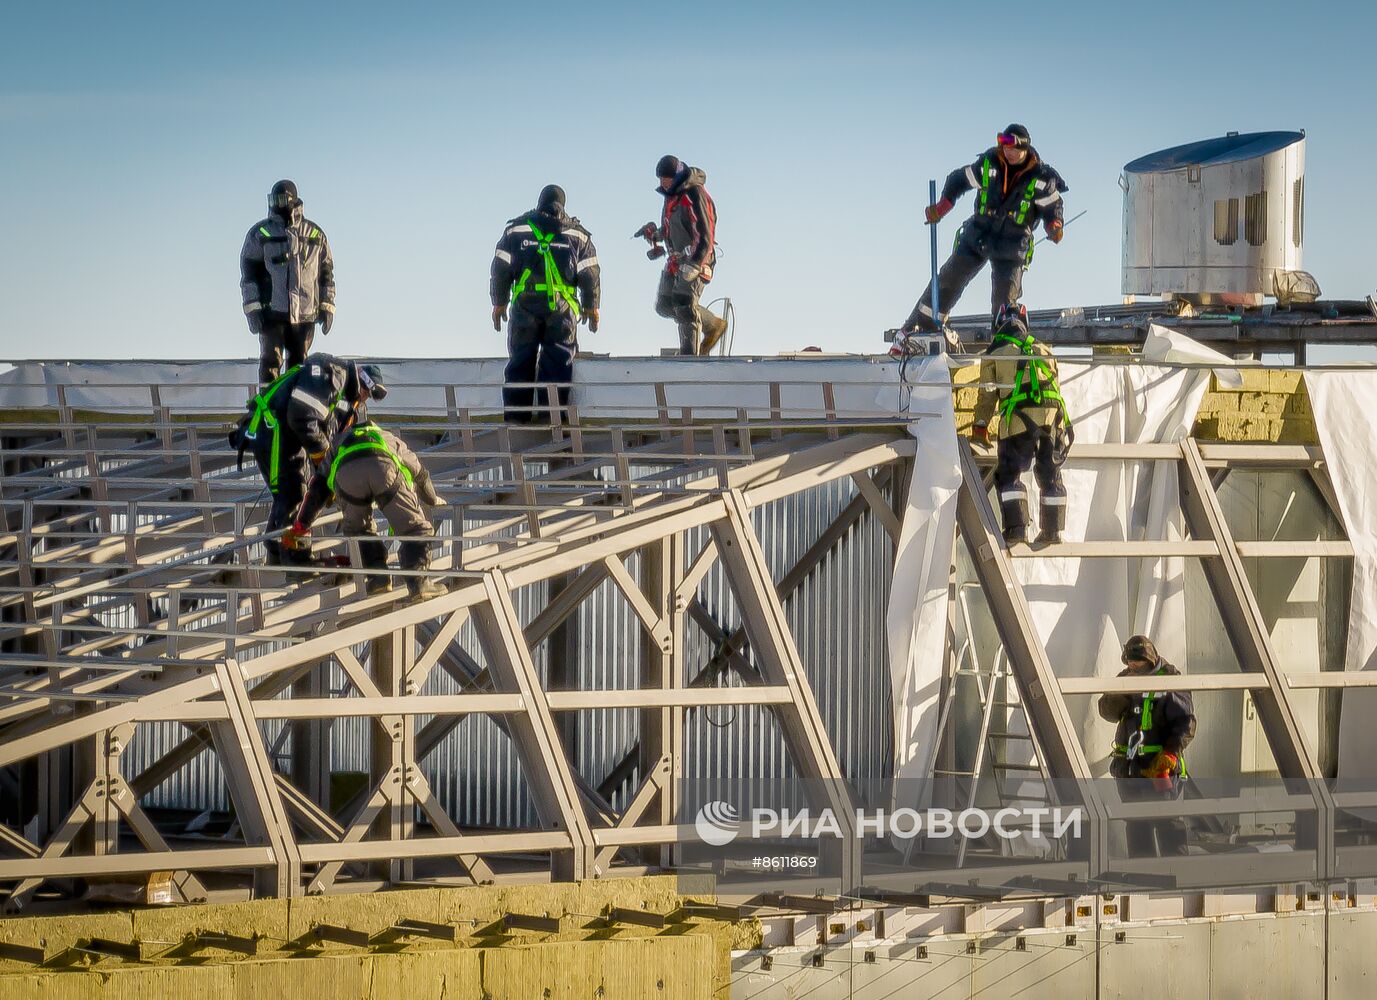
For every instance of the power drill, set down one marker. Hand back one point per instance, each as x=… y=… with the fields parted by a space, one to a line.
x=651 y=234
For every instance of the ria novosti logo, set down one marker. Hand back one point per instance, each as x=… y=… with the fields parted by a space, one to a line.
x=717 y=823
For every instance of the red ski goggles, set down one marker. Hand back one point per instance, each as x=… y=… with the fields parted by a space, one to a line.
x=1009 y=139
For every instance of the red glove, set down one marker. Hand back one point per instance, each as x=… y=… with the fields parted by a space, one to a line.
x=297 y=537
x=1055 y=231
x=1160 y=770
x=981 y=433
x=934 y=213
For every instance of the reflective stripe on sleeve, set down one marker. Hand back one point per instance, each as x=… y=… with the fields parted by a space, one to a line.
x=302 y=396
x=503 y=256
x=252 y=306
x=970 y=176
x=1050 y=199
x=585 y=264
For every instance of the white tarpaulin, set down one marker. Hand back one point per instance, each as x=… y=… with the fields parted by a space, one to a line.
x=916 y=620
x=1082 y=609
x=1339 y=401
x=713 y=388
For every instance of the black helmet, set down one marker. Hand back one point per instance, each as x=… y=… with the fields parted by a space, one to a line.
x=551 y=198
x=1140 y=647
x=370 y=379
x=668 y=166
x=1015 y=316
x=1015 y=134
x=283 y=197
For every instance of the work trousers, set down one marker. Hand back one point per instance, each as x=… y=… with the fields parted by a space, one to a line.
x=541 y=346
x=371 y=479
x=1034 y=448
x=1006 y=260
x=279 y=336
x=287 y=487
x=1149 y=838
x=677 y=299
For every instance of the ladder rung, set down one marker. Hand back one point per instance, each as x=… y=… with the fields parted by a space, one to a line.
x=1016 y=767
x=1009 y=736
x=963 y=774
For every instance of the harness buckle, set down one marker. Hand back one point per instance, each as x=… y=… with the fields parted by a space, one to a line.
x=1135 y=740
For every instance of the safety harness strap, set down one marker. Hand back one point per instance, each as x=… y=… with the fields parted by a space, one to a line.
x=366 y=439
x=1034 y=385
x=554 y=285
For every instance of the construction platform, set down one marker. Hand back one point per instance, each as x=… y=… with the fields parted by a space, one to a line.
x=686 y=575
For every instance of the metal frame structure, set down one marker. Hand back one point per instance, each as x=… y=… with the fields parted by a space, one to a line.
x=130 y=596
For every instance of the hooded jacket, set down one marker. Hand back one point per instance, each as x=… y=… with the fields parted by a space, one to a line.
x=1172 y=721
x=518 y=254
x=688 y=224
x=1015 y=199
x=315 y=400
x=286 y=268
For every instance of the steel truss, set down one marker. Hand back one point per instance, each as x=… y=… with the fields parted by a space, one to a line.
x=131 y=595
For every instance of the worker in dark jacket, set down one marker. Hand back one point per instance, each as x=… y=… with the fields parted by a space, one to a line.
x=1015 y=190
x=688 y=228
x=369 y=466
x=1149 y=759
x=1018 y=381
x=290 y=426
x=287 y=278
x=546 y=266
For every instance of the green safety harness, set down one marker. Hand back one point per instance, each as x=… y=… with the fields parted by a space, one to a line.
x=366 y=439
x=554 y=285
x=1034 y=385
x=1135 y=745
x=1024 y=204
x=263 y=415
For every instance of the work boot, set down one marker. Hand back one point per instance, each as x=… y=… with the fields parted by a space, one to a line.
x=1013 y=513
x=415 y=555
x=714 y=327
x=1052 y=519
x=373 y=555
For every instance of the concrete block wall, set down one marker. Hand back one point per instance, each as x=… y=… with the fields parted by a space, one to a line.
x=1270 y=406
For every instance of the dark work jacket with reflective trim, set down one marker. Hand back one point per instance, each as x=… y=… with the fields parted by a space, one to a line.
x=1173 y=717
x=314 y=402
x=285 y=268
x=518 y=250
x=1000 y=222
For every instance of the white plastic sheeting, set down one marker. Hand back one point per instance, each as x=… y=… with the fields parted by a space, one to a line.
x=1339 y=399
x=1083 y=609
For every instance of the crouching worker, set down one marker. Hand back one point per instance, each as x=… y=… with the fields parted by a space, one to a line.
x=1019 y=381
x=368 y=466
x=1149 y=759
x=289 y=426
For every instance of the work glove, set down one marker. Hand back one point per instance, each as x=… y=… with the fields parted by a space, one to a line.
x=981 y=433
x=327 y=320
x=1160 y=770
x=689 y=272
x=590 y=316
x=297 y=537
x=255 y=319
x=425 y=489
x=655 y=252
x=499 y=316
x=935 y=213
x=1055 y=231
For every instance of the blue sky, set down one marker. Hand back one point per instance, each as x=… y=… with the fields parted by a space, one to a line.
x=140 y=140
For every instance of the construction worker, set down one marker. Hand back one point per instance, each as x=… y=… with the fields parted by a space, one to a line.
x=287 y=278
x=1018 y=378
x=1015 y=190
x=1149 y=760
x=290 y=425
x=368 y=466
x=546 y=266
x=688 y=228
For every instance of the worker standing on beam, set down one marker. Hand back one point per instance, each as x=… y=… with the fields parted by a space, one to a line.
x=289 y=428
x=1149 y=759
x=368 y=466
x=546 y=267
x=1015 y=190
x=688 y=228
x=287 y=278
x=1018 y=377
